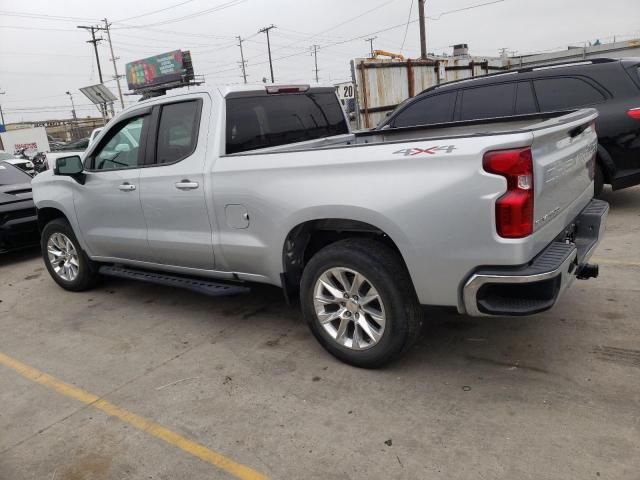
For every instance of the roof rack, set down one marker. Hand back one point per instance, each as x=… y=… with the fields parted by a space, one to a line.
x=527 y=69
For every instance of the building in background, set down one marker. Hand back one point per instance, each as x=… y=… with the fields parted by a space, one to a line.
x=65 y=130
x=623 y=49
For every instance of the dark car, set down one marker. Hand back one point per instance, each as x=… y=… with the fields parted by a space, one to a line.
x=18 y=223
x=609 y=85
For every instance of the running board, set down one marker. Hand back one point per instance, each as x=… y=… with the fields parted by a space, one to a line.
x=198 y=285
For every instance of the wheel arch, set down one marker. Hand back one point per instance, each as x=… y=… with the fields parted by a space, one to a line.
x=308 y=237
x=47 y=214
x=606 y=162
x=48 y=211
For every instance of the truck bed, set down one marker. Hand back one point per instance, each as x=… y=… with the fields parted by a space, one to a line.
x=449 y=130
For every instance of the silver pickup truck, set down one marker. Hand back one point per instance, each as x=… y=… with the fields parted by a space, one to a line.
x=213 y=190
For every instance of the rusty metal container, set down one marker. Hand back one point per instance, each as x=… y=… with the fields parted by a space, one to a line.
x=382 y=84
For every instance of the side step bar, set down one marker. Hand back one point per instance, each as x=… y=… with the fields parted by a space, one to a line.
x=198 y=285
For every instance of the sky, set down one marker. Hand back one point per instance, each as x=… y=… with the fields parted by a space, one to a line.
x=43 y=54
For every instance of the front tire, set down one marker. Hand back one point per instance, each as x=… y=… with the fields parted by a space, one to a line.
x=359 y=302
x=65 y=260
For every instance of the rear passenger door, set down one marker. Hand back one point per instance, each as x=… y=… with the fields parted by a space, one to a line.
x=488 y=101
x=172 y=191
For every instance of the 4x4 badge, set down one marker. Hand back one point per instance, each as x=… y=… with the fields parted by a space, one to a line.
x=429 y=151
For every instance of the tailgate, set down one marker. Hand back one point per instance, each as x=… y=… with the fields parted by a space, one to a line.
x=563 y=151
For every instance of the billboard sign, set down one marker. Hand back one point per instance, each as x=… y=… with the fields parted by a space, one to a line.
x=171 y=67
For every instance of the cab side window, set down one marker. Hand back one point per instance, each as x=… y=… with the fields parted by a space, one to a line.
x=177 y=132
x=122 y=150
x=433 y=109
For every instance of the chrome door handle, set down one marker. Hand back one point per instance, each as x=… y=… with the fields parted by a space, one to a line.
x=186 y=185
x=127 y=187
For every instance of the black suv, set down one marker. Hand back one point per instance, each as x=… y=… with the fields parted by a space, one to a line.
x=611 y=86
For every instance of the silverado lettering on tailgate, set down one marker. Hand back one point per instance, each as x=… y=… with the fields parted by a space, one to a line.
x=428 y=151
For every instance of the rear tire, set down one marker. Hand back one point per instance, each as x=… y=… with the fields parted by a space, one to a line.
x=380 y=317
x=65 y=260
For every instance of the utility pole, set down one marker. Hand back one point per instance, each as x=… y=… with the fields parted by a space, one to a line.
x=315 y=54
x=370 y=40
x=74 y=128
x=242 y=61
x=423 y=31
x=2 y=114
x=266 y=30
x=113 y=59
x=95 y=41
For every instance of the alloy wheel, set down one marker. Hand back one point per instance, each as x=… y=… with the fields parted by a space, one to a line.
x=349 y=308
x=63 y=256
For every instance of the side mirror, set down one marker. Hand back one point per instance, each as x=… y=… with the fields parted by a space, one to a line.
x=70 y=167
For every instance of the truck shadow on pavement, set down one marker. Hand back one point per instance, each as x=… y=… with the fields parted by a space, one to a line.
x=19 y=256
x=448 y=340
x=626 y=199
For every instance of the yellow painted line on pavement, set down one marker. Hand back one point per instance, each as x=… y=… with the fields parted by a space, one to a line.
x=615 y=263
x=236 y=469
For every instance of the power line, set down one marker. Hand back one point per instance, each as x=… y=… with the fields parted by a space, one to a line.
x=20 y=27
x=155 y=11
x=407 y=28
x=44 y=16
x=463 y=9
x=222 y=6
x=348 y=40
x=43 y=54
x=366 y=12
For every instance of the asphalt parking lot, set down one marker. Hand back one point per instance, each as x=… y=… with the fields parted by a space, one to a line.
x=135 y=381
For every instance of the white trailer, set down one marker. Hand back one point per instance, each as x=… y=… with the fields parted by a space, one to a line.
x=29 y=138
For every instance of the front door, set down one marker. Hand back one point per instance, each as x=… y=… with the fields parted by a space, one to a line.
x=173 y=186
x=108 y=204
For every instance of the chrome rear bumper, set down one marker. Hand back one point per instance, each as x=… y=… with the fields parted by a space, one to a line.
x=536 y=286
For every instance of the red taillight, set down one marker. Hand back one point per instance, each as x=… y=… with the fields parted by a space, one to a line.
x=514 y=209
x=634 y=113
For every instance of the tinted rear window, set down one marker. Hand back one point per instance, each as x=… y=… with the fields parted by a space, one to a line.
x=268 y=121
x=565 y=92
x=487 y=102
x=525 y=103
x=434 y=109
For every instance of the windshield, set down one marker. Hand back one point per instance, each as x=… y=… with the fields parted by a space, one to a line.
x=6 y=156
x=10 y=175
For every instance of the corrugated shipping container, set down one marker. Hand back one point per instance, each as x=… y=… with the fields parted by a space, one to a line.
x=382 y=84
